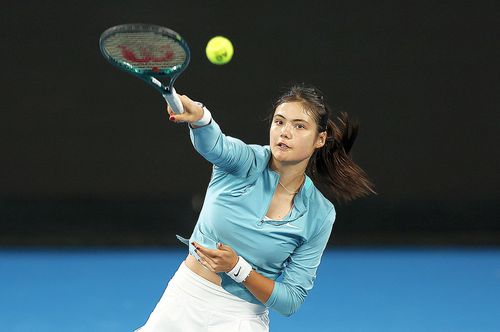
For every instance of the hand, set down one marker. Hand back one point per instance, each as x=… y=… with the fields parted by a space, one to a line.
x=222 y=259
x=192 y=111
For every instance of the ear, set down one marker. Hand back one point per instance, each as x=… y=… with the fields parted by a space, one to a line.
x=320 y=142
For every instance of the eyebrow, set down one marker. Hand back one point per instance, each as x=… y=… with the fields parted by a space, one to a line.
x=294 y=120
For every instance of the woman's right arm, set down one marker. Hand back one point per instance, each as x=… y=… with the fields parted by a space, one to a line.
x=228 y=153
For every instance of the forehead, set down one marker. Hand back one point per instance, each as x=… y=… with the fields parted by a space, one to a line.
x=293 y=110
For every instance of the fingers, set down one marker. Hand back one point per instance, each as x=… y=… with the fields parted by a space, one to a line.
x=171 y=114
x=170 y=110
x=222 y=259
x=206 y=262
x=192 y=111
x=205 y=259
x=205 y=251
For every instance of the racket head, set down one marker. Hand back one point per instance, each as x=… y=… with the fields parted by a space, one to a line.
x=146 y=50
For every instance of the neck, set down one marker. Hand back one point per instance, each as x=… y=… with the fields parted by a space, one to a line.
x=291 y=176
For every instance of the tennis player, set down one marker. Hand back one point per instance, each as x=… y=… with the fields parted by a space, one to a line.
x=266 y=218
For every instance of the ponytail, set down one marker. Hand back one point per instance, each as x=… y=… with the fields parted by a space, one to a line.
x=331 y=167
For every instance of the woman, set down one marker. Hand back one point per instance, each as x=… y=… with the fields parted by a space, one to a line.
x=263 y=216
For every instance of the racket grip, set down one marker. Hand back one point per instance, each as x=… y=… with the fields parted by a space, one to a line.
x=174 y=101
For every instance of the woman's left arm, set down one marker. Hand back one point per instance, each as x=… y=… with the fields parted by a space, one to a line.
x=300 y=272
x=287 y=295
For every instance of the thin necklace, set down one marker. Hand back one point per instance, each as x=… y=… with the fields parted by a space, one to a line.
x=289 y=191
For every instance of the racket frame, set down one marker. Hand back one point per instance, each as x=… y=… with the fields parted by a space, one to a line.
x=153 y=78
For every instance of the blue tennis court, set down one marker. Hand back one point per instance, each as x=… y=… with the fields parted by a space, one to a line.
x=358 y=289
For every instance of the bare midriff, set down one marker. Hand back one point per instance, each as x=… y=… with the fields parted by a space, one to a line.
x=202 y=271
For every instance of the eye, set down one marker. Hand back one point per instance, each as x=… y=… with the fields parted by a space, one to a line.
x=300 y=126
x=278 y=122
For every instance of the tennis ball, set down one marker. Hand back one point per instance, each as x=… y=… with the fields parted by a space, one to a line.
x=219 y=50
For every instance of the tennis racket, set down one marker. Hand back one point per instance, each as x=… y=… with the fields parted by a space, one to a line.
x=150 y=52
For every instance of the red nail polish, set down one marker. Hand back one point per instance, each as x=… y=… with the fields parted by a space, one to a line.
x=172 y=118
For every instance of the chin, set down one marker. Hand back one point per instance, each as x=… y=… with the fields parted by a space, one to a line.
x=281 y=158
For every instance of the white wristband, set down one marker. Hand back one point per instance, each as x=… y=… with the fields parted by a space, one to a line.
x=205 y=119
x=241 y=271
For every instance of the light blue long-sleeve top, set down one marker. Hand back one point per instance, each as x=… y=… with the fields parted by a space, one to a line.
x=237 y=199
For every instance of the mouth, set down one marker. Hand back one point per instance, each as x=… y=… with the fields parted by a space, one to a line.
x=282 y=146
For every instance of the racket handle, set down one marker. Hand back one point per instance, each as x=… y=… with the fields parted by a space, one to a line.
x=174 y=101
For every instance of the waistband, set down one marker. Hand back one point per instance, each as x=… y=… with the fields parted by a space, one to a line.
x=211 y=295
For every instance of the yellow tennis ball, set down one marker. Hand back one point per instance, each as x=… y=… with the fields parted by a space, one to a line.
x=219 y=50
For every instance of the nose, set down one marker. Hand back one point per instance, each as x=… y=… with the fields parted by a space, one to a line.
x=285 y=131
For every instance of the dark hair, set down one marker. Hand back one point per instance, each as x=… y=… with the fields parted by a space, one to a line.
x=331 y=168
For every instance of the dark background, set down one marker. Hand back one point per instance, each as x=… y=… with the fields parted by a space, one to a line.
x=88 y=156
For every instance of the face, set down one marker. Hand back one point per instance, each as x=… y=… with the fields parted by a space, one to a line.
x=293 y=135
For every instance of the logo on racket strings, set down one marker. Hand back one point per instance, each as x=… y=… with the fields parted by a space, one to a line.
x=147 y=55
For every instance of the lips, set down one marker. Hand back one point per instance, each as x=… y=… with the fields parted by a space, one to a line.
x=282 y=146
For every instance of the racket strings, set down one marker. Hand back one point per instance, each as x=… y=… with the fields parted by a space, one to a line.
x=145 y=51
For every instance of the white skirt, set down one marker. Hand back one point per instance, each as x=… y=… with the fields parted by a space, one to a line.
x=192 y=303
